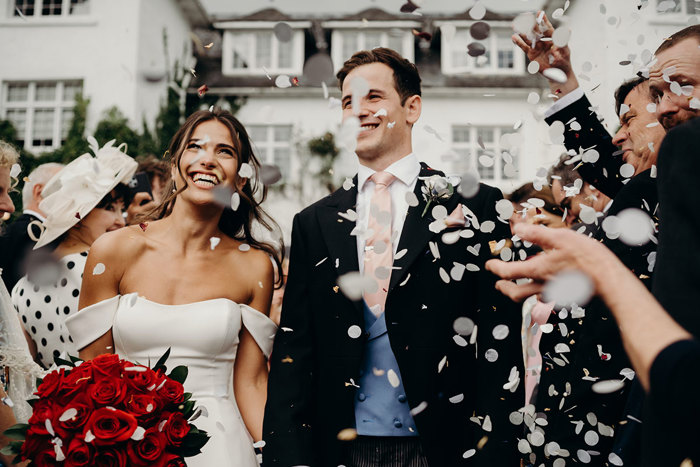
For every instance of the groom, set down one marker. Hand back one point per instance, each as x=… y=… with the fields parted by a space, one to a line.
x=405 y=366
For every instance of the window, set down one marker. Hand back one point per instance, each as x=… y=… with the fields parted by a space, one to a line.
x=688 y=7
x=273 y=146
x=345 y=42
x=259 y=52
x=51 y=8
x=501 y=56
x=40 y=111
x=488 y=144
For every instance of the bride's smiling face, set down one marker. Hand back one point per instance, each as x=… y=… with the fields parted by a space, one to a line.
x=209 y=159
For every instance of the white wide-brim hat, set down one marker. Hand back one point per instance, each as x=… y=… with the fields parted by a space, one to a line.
x=72 y=193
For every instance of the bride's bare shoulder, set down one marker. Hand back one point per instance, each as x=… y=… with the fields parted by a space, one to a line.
x=122 y=244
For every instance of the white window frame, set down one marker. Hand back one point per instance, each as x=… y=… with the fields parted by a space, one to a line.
x=58 y=105
x=265 y=150
x=493 y=148
x=337 y=40
x=232 y=30
x=498 y=28
x=683 y=12
x=38 y=7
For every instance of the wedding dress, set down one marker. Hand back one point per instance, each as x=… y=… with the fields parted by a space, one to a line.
x=202 y=336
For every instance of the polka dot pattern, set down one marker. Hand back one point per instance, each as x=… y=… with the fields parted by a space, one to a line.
x=43 y=310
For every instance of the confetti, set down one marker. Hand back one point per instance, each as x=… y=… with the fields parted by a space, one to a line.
x=555 y=74
x=244 y=247
x=568 y=287
x=419 y=408
x=15 y=170
x=98 y=269
x=347 y=434
x=235 y=201
x=283 y=81
x=476 y=49
x=354 y=331
x=209 y=45
x=478 y=11
x=524 y=23
x=480 y=30
x=500 y=332
x=143 y=226
x=393 y=378
x=359 y=87
x=354 y=284
x=426 y=36
x=469 y=453
x=560 y=36
x=380 y=113
x=390 y=124
x=283 y=32
x=408 y=7
x=213 y=242
x=491 y=355
x=270 y=174
x=246 y=170
x=202 y=90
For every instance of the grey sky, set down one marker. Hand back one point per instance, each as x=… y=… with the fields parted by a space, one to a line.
x=241 y=7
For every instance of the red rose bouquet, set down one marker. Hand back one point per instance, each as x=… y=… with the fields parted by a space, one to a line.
x=109 y=412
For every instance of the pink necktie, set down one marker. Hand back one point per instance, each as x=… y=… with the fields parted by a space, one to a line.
x=379 y=253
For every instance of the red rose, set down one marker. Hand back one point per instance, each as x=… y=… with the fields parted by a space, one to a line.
x=172 y=392
x=176 y=428
x=144 y=407
x=34 y=443
x=78 y=378
x=75 y=419
x=109 y=426
x=141 y=378
x=111 y=458
x=106 y=366
x=44 y=409
x=108 y=391
x=148 y=451
x=50 y=383
x=79 y=453
x=46 y=458
x=173 y=460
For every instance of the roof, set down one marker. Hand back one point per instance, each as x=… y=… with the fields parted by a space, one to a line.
x=194 y=12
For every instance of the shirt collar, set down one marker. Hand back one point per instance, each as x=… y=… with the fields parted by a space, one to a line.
x=35 y=214
x=405 y=169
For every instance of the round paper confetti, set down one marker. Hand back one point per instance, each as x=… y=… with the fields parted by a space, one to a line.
x=636 y=227
x=469 y=453
x=608 y=386
x=516 y=418
x=491 y=355
x=283 y=81
x=591 y=438
x=524 y=446
x=213 y=242
x=568 y=287
x=504 y=208
x=476 y=49
x=393 y=378
x=480 y=30
x=246 y=170
x=354 y=331
x=235 y=201
x=457 y=399
x=98 y=269
x=533 y=67
x=588 y=215
x=478 y=11
x=270 y=174
x=244 y=247
x=614 y=459
x=524 y=22
x=583 y=456
x=627 y=170
x=555 y=74
x=463 y=326
x=469 y=186
x=283 y=32
x=533 y=98
x=439 y=212
x=347 y=434
x=536 y=438
x=500 y=332
x=318 y=69
x=560 y=36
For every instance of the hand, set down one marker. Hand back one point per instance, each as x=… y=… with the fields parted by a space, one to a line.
x=137 y=210
x=565 y=250
x=547 y=55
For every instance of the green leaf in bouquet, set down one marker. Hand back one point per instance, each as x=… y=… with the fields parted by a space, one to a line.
x=187 y=409
x=18 y=431
x=61 y=362
x=39 y=381
x=179 y=374
x=193 y=443
x=12 y=449
x=160 y=365
x=74 y=359
x=187 y=396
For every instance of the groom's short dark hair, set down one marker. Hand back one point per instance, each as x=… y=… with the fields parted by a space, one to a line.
x=406 y=77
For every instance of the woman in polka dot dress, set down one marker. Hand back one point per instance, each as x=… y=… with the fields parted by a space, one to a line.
x=84 y=200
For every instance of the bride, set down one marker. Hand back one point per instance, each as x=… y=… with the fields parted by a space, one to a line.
x=195 y=281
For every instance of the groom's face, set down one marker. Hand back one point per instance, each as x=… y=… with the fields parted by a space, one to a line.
x=380 y=135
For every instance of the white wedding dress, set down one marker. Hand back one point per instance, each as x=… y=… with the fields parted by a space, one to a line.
x=204 y=337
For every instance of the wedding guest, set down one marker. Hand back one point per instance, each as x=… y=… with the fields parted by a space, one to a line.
x=197 y=281
x=18 y=371
x=83 y=201
x=664 y=355
x=535 y=313
x=372 y=364
x=20 y=236
x=621 y=168
x=144 y=204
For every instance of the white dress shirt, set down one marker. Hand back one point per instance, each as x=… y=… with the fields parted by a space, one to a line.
x=406 y=171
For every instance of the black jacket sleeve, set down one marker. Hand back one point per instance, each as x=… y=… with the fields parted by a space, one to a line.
x=286 y=427
x=604 y=174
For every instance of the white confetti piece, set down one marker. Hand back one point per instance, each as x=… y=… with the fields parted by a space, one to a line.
x=68 y=414
x=524 y=446
x=491 y=355
x=591 y=438
x=614 y=459
x=463 y=326
x=419 y=408
x=560 y=36
x=390 y=124
x=478 y=11
x=627 y=170
x=380 y=113
x=469 y=453
x=568 y=287
x=533 y=67
x=500 y=332
x=354 y=331
x=524 y=22
x=244 y=247
x=533 y=98
x=15 y=170
x=139 y=433
x=246 y=170
x=583 y=456
x=393 y=378
x=354 y=284
x=442 y=363
x=444 y=276
x=694 y=103
x=235 y=201
x=213 y=242
x=98 y=269
x=608 y=386
x=283 y=81
x=460 y=341
x=348 y=184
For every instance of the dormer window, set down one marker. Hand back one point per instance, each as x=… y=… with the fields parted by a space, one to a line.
x=345 y=42
x=257 y=51
x=50 y=8
x=501 y=56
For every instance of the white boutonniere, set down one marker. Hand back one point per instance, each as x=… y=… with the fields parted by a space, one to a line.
x=435 y=188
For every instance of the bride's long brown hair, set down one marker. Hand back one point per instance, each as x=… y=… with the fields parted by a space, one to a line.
x=238 y=224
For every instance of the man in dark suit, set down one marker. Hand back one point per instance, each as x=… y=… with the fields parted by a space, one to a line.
x=413 y=359
x=621 y=168
x=16 y=240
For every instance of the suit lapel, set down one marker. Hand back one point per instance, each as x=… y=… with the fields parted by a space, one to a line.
x=416 y=233
x=336 y=230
